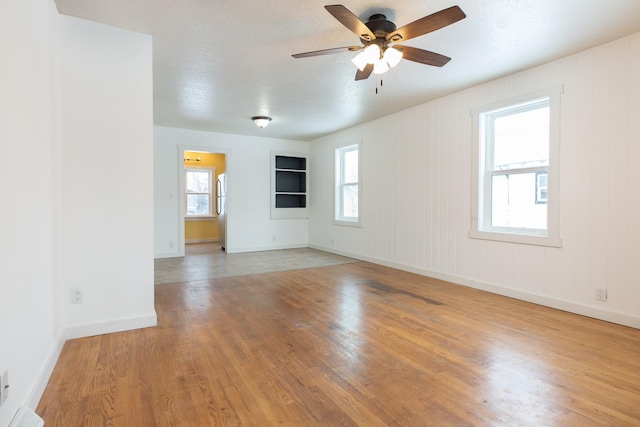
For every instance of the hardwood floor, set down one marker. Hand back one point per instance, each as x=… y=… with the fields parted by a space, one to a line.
x=352 y=344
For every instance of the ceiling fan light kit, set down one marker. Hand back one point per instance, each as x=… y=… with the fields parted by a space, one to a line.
x=380 y=60
x=370 y=55
x=392 y=56
x=360 y=61
x=377 y=35
x=380 y=67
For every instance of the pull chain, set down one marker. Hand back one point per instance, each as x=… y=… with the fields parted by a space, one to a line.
x=377 y=83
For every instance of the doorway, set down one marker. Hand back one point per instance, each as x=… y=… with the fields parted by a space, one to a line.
x=203 y=215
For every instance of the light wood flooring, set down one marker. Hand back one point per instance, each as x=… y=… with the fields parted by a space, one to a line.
x=349 y=344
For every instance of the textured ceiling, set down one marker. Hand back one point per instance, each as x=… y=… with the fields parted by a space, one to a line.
x=216 y=63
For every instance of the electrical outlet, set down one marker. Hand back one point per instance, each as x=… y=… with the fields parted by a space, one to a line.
x=601 y=294
x=76 y=296
x=4 y=386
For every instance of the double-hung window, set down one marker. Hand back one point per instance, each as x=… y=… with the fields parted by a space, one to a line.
x=347 y=185
x=198 y=192
x=515 y=170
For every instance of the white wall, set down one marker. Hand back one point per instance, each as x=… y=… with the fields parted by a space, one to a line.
x=249 y=226
x=107 y=177
x=75 y=138
x=30 y=316
x=417 y=190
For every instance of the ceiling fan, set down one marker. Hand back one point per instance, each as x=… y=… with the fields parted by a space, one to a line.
x=378 y=34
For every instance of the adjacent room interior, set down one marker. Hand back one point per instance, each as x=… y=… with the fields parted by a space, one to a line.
x=230 y=214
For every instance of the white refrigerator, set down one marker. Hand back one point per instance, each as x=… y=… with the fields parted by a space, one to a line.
x=221 y=209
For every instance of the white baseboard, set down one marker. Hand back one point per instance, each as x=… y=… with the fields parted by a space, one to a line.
x=174 y=254
x=119 y=325
x=201 y=241
x=26 y=417
x=34 y=396
x=80 y=331
x=264 y=248
x=571 y=307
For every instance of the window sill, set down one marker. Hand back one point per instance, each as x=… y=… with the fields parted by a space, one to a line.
x=200 y=218
x=525 y=239
x=347 y=223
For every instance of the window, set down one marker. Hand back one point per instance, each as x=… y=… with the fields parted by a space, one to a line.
x=198 y=192
x=347 y=188
x=515 y=176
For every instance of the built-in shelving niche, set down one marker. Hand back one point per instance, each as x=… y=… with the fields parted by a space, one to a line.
x=288 y=185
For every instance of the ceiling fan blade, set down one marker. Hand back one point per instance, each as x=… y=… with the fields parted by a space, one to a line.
x=427 y=24
x=423 y=56
x=351 y=21
x=364 y=74
x=327 y=51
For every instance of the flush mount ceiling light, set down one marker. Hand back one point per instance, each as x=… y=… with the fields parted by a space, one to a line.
x=261 y=121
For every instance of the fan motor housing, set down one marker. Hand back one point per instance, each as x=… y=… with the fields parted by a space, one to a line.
x=379 y=25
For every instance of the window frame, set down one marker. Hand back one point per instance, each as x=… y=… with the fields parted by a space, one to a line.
x=481 y=174
x=211 y=193
x=339 y=184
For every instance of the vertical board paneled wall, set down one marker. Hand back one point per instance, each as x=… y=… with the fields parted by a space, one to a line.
x=416 y=190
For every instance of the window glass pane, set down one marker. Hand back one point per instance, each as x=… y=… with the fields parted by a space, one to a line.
x=350 y=201
x=351 y=166
x=198 y=182
x=514 y=202
x=346 y=189
x=198 y=204
x=542 y=187
x=521 y=139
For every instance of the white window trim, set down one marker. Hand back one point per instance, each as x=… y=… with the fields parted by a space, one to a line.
x=337 y=193
x=550 y=236
x=212 y=195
